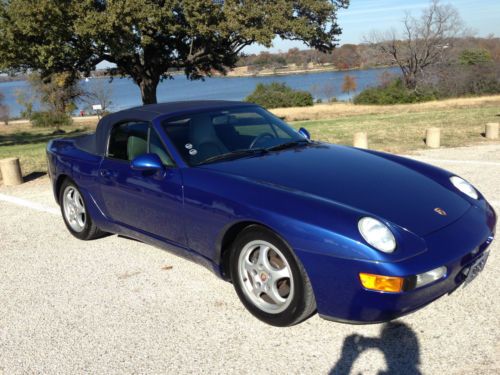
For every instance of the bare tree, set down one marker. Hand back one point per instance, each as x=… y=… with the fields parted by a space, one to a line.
x=324 y=91
x=99 y=92
x=423 y=42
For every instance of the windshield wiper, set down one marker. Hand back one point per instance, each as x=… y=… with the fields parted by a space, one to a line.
x=233 y=154
x=285 y=145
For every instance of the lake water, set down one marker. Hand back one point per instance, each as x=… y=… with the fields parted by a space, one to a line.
x=125 y=94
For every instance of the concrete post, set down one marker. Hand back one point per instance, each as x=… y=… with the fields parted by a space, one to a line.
x=360 y=140
x=433 y=137
x=491 y=131
x=11 y=171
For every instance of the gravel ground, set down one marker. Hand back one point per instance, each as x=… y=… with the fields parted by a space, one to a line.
x=115 y=306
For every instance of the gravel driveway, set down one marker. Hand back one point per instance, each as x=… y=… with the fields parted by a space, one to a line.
x=115 y=306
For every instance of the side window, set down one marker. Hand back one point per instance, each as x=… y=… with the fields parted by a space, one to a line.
x=128 y=140
x=156 y=147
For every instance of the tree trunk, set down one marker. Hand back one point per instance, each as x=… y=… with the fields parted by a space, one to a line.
x=410 y=81
x=148 y=88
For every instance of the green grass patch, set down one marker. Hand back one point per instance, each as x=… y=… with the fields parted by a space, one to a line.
x=403 y=132
x=29 y=146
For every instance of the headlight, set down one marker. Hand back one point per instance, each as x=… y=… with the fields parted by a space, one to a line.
x=377 y=234
x=464 y=187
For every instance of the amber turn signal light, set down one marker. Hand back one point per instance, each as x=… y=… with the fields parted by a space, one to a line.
x=381 y=283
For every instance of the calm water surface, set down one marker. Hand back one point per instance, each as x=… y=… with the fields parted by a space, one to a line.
x=125 y=94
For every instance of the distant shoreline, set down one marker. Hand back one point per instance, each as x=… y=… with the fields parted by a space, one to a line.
x=245 y=72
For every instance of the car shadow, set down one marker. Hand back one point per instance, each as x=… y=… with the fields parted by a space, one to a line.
x=397 y=342
x=33 y=176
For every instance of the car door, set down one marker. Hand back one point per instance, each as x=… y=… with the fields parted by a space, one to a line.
x=148 y=202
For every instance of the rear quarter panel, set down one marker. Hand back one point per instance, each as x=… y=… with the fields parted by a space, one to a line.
x=65 y=160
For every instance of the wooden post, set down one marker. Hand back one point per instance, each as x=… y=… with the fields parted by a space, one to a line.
x=491 y=131
x=360 y=140
x=11 y=171
x=433 y=137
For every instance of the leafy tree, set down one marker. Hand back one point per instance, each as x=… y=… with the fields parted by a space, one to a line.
x=347 y=57
x=147 y=39
x=349 y=84
x=27 y=101
x=475 y=57
x=58 y=94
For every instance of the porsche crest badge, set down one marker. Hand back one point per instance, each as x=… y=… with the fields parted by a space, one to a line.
x=440 y=211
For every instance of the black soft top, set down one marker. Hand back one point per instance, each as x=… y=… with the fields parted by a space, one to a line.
x=97 y=143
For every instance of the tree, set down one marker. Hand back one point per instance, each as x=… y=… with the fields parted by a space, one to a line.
x=349 y=85
x=424 y=41
x=325 y=90
x=26 y=100
x=58 y=94
x=475 y=57
x=99 y=92
x=148 y=39
x=347 y=57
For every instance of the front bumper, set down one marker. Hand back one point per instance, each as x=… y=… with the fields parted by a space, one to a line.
x=340 y=296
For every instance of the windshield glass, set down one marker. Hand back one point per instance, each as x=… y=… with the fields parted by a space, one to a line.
x=234 y=132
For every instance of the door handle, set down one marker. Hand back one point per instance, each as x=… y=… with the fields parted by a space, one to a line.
x=105 y=173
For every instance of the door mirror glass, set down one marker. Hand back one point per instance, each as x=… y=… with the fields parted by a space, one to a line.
x=146 y=162
x=304 y=133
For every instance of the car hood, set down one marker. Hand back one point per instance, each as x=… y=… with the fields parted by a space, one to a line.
x=356 y=178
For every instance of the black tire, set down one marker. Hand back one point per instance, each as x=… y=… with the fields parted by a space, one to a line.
x=301 y=305
x=90 y=230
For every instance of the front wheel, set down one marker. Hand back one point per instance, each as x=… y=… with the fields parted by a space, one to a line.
x=75 y=213
x=269 y=279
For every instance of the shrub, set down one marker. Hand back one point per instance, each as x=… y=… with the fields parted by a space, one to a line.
x=475 y=57
x=467 y=80
x=276 y=95
x=50 y=119
x=394 y=92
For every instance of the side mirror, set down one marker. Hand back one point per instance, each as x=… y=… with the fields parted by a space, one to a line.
x=304 y=133
x=147 y=162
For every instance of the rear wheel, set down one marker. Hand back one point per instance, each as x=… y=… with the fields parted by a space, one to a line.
x=74 y=212
x=269 y=279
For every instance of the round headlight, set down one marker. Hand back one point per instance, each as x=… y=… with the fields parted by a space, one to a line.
x=377 y=234
x=464 y=187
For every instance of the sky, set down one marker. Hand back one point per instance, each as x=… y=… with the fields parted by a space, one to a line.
x=363 y=16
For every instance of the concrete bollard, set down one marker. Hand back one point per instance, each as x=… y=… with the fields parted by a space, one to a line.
x=433 y=137
x=360 y=140
x=11 y=171
x=491 y=131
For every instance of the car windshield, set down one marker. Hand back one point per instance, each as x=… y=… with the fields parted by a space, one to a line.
x=213 y=136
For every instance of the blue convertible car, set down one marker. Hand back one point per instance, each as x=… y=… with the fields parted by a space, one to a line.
x=297 y=226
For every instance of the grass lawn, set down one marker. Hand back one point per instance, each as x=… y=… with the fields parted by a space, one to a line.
x=29 y=144
x=398 y=129
x=405 y=131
